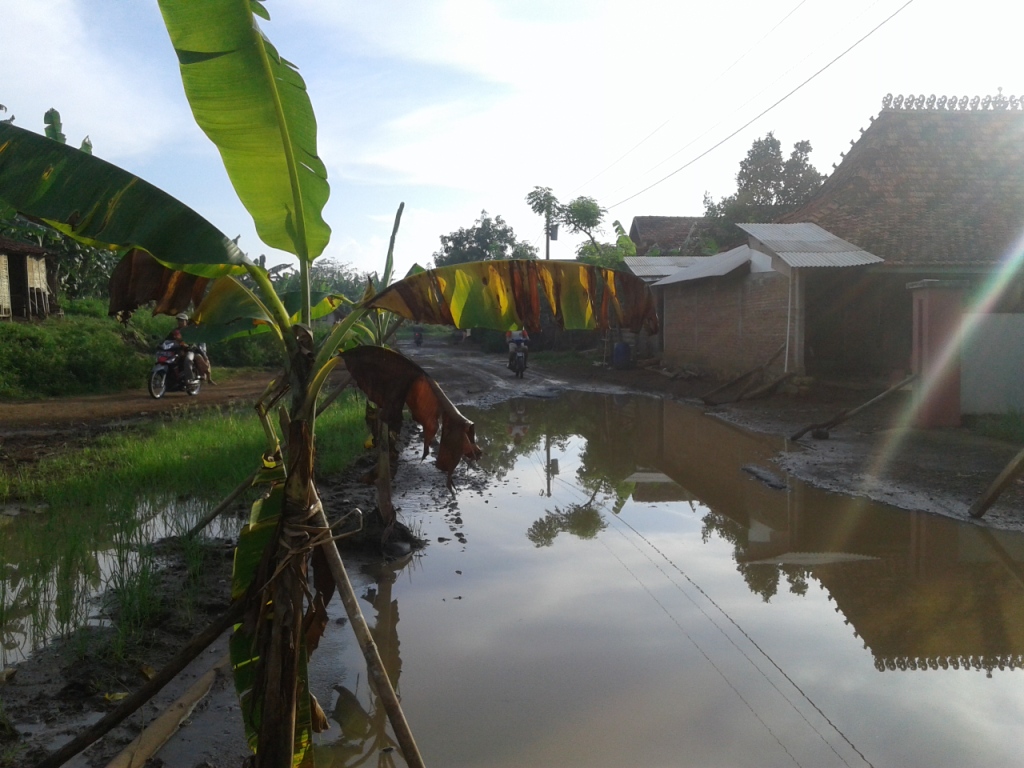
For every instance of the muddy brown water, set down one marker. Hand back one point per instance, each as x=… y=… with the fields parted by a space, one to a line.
x=618 y=582
x=611 y=588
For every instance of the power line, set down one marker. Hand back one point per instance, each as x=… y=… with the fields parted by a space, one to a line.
x=765 y=111
x=749 y=639
x=720 y=75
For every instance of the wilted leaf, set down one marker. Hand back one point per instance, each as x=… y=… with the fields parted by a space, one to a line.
x=392 y=381
x=139 y=278
x=508 y=294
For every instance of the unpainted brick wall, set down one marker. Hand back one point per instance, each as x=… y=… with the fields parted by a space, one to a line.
x=726 y=325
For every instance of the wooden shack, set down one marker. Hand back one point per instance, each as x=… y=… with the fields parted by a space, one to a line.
x=25 y=289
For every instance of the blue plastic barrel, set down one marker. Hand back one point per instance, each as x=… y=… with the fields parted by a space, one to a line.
x=621 y=355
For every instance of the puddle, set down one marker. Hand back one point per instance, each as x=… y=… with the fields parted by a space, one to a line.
x=611 y=588
x=56 y=566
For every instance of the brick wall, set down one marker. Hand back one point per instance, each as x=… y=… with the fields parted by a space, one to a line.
x=727 y=325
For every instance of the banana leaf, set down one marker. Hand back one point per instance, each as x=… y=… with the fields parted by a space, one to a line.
x=392 y=381
x=230 y=308
x=253 y=105
x=103 y=205
x=138 y=279
x=506 y=295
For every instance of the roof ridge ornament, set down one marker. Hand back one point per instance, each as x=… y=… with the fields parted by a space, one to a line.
x=920 y=102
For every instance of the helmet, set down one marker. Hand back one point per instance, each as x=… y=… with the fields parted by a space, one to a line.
x=182 y=316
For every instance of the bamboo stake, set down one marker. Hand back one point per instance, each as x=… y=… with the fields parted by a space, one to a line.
x=374 y=664
x=159 y=732
x=1009 y=473
x=212 y=515
x=127 y=707
x=707 y=398
x=767 y=389
x=839 y=418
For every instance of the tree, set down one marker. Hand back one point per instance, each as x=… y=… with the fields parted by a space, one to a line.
x=487 y=239
x=253 y=105
x=581 y=216
x=608 y=255
x=766 y=187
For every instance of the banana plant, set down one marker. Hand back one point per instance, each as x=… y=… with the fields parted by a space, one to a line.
x=253 y=106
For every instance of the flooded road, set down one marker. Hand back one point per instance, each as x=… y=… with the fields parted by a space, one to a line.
x=610 y=587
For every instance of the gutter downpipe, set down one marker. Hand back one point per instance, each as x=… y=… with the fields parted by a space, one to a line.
x=789 y=319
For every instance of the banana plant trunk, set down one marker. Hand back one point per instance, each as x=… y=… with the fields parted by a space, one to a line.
x=281 y=694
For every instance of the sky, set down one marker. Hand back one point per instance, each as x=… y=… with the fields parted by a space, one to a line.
x=455 y=107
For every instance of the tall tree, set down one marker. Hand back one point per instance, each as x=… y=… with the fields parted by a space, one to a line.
x=608 y=255
x=486 y=240
x=580 y=216
x=766 y=187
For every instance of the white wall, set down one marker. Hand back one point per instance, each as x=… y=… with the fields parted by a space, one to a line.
x=992 y=364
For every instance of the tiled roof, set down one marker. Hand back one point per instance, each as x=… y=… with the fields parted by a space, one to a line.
x=928 y=188
x=667 y=232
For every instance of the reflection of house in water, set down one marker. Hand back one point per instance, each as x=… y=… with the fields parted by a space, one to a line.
x=651 y=486
x=921 y=591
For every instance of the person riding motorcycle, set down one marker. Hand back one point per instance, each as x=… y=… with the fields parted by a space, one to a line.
x=514 y=339
x=183 y=351
x=194 y=365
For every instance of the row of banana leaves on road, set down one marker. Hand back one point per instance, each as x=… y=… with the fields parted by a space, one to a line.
x=253 y=105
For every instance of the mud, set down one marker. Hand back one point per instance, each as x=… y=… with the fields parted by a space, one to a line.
x=58 y=691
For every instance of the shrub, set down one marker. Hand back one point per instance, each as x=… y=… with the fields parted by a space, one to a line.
x=76 y=355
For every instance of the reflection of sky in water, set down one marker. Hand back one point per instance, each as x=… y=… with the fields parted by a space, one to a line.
x=55 y=567
x=644 y=645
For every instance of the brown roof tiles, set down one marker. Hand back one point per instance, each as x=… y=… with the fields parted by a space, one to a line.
x=929 y=188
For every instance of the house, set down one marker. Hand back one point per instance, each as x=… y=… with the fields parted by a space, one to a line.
x=25 y=288
x=934 y=190
x=665 y=234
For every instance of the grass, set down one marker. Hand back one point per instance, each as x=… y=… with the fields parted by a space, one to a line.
x=100 y=498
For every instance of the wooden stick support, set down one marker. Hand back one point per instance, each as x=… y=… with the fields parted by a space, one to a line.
x=994 y=491
x=374 y=664
x=706 y=399
x=127 y=707
x=842 y=416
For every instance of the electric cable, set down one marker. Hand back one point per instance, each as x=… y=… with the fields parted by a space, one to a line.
x=748 y=637
x=720 y=75
x=751 y=640
x=700 y=650
x=766 y=110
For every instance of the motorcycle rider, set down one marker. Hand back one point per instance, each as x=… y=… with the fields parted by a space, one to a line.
x=514 y=339
x=180 y=348
x=200 y=359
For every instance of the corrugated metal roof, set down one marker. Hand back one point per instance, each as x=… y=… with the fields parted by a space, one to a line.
x=651 y=268
x=711 y=266
x=808 y=245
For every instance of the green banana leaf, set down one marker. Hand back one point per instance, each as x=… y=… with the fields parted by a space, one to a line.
x=103 y=205
x=506 y=295
x=232 y=309
x=254 y=107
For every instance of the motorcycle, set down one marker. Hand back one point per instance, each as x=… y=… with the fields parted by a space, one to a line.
x=168 y=374
x=519 y=359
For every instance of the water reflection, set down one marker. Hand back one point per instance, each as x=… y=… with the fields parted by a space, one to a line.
x=54 y=567
x=365 y=737
x=921 y=591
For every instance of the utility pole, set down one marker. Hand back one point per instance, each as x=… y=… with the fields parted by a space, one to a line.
x=550 y=233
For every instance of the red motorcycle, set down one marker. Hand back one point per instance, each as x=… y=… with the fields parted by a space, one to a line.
x=168 y=374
